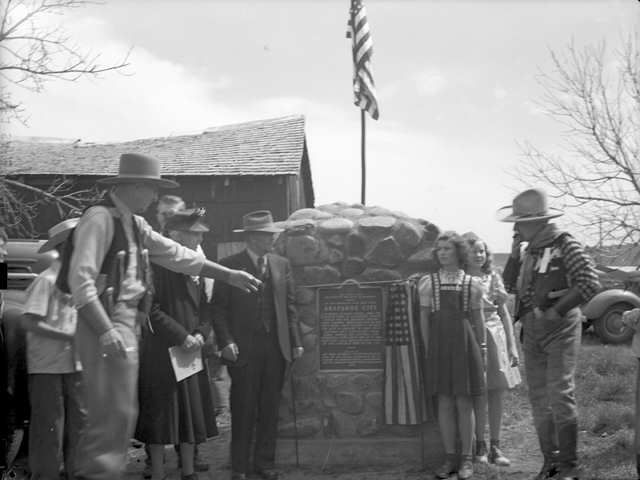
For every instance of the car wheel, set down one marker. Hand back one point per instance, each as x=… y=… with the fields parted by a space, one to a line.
x=609 y=326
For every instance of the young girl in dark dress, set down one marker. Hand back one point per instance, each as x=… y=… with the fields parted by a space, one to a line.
x=455 y=338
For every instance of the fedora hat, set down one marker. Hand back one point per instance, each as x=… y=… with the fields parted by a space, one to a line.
x=528 y=206
x=58 y=234
x=259 y=221
x=135 y=167
x=190 y=220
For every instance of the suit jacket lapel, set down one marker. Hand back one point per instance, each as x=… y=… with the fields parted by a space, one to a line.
x=274 y=271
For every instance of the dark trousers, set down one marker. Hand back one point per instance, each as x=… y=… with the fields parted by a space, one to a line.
x=550 y=355
x=58 y=415
x=255 y=399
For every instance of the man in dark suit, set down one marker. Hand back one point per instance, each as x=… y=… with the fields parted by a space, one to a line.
x=258 y=334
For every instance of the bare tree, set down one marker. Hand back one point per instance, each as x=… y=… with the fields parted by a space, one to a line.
x=595 y=94
x=20 y=203
x=34 y=49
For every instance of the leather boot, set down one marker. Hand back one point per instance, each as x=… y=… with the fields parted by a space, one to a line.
x=568 y=456
x=549 y=467
x=547 y=436
x=448 y=467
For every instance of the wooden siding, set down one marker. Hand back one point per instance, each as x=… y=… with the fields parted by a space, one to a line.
x=226 y=199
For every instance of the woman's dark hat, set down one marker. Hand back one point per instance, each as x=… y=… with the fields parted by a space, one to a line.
x=135 y=167
x=259 y=221
x=190 y=220
x=528 y=206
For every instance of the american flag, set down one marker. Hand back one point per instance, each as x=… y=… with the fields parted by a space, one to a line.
x=364 y=89
x=404 y=401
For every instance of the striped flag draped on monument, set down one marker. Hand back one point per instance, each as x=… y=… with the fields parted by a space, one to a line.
x=364 y=89
x=404 y=402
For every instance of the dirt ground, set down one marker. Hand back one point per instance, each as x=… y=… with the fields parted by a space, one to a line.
x=602 y=457
x=519 y=441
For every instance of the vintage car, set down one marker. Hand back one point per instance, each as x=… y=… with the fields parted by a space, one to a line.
x=24 y=264
x=621 y=290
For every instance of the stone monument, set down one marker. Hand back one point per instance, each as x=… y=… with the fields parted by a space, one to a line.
x=342 y=256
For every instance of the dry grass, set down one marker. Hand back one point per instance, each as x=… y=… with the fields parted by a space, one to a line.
x=605 y=392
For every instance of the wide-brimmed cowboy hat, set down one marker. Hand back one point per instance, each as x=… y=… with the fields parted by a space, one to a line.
x=528 y=206
x=58 y=234
x=135 y=167
x=190 y=220
x=259 y=221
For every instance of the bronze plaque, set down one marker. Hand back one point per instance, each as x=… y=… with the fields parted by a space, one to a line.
x=351 y=328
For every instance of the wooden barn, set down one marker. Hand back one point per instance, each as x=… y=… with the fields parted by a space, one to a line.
x=229 y=170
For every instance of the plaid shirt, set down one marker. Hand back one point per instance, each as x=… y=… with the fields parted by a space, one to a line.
x=578 y=265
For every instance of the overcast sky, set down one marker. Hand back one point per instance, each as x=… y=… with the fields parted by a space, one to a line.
x=456 y=81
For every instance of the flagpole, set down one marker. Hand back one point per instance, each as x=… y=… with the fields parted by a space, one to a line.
x=363 y=156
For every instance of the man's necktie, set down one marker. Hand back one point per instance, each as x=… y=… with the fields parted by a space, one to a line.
x=262 y=267
x=262 y=271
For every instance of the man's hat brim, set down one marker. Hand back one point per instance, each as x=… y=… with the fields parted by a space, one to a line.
x=266 y=229
x=196 y=228
x=260 y=229
x=160 y=182
x=505 y=214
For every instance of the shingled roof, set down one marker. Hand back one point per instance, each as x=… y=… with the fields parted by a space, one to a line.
x=266 y=147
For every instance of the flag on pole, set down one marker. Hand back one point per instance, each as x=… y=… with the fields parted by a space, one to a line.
x=364 y=89
x=404 y=401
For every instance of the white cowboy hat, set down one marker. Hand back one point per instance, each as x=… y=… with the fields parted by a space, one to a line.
x=58 y=234
x=528 y=206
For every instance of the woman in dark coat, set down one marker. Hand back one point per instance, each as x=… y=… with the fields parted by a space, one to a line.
x=176 y=412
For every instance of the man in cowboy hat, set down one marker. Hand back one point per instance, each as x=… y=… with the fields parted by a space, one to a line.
x=56 y=388
x=258 y=336
x=108 y=275
x=551 y=278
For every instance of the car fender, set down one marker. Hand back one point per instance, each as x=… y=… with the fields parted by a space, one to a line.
x=603 y=300
x=14 y=334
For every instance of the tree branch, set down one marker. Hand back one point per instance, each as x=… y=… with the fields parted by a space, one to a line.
x=599 y=106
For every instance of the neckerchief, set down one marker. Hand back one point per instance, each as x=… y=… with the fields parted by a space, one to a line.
x=544 y=237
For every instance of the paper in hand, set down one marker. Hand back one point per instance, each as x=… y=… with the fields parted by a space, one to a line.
x=185 y=363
